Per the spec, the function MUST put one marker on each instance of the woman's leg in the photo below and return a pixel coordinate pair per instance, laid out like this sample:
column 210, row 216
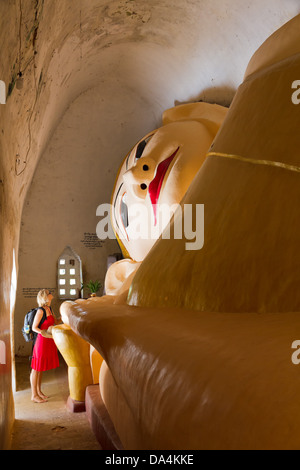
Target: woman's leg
column 39, row 385
column 34, row 378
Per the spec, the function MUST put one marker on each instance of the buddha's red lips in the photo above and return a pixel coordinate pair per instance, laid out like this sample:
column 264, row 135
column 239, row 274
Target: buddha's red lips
column 156, row 183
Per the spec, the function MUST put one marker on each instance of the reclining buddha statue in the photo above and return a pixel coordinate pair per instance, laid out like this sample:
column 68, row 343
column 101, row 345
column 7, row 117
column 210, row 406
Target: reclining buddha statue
column 197, row 344
column 167, row 174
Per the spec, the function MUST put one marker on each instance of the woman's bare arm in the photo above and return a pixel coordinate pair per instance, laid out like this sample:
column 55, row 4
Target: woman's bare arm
column 36, row 321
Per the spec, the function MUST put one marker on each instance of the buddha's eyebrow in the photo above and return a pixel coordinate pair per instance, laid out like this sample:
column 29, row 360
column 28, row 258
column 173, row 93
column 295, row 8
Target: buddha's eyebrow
column 141, row 148
column 118, row 194
column 115, row 204
column 127, row 160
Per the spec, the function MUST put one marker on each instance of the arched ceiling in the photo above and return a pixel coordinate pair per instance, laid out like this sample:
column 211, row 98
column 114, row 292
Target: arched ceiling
column 162, row 52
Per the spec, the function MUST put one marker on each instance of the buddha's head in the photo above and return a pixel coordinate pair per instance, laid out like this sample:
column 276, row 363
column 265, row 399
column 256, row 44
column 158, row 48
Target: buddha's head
column 157, row 172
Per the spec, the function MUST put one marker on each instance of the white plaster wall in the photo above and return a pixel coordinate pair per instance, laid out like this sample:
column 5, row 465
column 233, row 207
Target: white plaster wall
column 74, row 176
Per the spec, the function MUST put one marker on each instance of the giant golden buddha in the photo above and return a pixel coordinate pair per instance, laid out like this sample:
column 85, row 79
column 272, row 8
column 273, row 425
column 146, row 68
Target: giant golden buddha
column 197, row 344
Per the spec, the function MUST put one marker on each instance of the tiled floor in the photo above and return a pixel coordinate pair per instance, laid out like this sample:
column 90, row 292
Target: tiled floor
column 48, row 426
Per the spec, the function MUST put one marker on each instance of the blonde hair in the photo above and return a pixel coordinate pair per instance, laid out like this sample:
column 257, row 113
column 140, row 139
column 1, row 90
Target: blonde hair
column 42, row 298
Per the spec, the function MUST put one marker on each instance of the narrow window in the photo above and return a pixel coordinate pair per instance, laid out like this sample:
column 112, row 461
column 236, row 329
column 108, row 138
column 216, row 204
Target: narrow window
column 69, row 273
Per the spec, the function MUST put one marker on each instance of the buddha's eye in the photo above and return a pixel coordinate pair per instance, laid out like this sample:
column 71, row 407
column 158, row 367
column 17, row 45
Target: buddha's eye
column 141, row 147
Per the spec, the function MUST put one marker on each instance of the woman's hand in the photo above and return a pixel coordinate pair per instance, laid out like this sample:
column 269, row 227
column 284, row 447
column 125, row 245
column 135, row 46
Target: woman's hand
column 46, row 334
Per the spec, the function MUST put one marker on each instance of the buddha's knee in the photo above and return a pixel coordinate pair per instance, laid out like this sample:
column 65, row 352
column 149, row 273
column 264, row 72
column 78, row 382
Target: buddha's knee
column 76, row 353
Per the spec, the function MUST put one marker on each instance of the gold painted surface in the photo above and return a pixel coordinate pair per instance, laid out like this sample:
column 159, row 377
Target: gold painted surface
column 96, row 361
column 196, row 380
column 256, row 162
column 76, row 353
column 250, row 258
column 281, row 44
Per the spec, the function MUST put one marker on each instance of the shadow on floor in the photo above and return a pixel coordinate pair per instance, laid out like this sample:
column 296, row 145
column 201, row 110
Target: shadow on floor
column 48, row 426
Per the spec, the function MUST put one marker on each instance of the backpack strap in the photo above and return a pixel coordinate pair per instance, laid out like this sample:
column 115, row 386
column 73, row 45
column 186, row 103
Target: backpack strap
column 44, row 317
column 35, row 335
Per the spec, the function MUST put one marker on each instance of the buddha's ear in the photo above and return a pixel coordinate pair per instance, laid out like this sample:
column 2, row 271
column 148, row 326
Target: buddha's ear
column 210, row 115
column 119, row 276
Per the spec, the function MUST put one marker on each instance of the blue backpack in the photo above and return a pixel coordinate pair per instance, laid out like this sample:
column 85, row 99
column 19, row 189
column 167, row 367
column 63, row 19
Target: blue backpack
column 27, row 332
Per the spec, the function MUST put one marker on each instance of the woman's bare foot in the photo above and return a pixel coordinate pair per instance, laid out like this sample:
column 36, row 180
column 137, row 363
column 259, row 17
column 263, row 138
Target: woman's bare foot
column 37, row 399
column 44, row 397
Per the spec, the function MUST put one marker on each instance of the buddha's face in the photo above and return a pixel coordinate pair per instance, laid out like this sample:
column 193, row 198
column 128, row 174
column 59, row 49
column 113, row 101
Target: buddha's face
column 156, row 174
